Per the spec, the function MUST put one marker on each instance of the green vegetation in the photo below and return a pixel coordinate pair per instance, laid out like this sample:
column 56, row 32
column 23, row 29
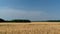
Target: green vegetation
column 53, row 20
column 24, row 20
column 2, row 20
column 20, row 20
column 48, row 21
column 15, row 20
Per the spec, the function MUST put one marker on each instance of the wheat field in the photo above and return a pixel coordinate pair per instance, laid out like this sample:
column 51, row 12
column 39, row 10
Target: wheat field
column 30, row 28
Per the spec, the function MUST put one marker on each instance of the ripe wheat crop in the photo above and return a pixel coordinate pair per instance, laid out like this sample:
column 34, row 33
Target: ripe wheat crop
column 30, row 28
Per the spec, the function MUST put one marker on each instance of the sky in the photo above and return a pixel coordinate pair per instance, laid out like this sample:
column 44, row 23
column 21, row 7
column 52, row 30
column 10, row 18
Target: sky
column 30, row 9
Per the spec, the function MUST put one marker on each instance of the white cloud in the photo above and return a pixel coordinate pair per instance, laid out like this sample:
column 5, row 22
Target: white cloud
column 10, row 13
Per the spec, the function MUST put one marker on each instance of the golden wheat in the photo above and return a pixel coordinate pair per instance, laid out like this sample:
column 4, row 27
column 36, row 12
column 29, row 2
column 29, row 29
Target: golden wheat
column 30, row 28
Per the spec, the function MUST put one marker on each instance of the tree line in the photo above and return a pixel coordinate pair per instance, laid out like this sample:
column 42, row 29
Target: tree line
column 15, row 20
column 47, row 21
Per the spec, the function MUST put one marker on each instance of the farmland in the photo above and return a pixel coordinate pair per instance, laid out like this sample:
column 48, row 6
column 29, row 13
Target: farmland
column 30, row 28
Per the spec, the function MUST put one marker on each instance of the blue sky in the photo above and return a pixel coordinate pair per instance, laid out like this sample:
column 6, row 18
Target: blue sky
column 30, row 9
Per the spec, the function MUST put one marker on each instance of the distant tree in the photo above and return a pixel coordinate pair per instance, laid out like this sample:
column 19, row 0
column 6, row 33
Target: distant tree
column 53, row 20
column 18, row 20
column 2, row 20
column 15, row 20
